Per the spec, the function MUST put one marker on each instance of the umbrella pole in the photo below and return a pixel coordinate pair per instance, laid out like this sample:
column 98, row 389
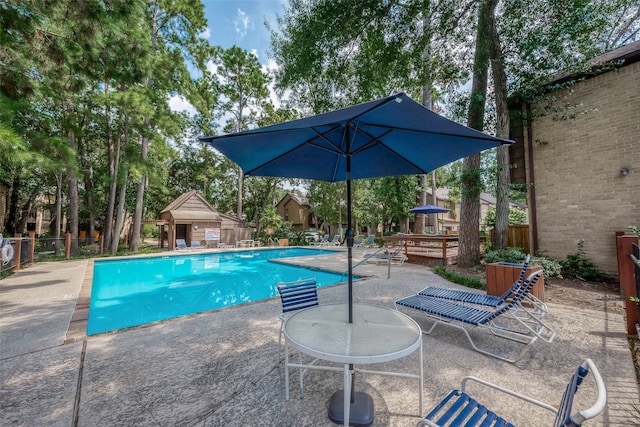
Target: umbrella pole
column 361, row 410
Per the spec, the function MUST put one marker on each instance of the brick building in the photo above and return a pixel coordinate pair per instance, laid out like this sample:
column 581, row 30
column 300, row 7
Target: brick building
column 580, row 156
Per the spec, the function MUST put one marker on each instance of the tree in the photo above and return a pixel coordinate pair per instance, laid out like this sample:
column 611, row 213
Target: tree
column 243, row 86
column 469, row 245
column 501, row 228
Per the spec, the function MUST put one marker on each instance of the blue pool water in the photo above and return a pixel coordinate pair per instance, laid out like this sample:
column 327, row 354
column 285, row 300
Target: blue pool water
column 138, row 291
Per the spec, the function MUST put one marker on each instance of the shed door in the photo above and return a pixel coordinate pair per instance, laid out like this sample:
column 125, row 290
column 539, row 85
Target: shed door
column 181, row 231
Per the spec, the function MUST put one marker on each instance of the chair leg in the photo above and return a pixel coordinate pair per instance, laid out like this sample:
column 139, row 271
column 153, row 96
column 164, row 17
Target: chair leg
column 279, row 346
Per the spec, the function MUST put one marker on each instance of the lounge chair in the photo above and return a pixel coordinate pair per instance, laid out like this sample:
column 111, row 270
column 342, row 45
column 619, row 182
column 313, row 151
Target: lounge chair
column 181, row 245
column 322, row 242
column 195, row 245
column 335, row 241
column 295, row 296
column 369, row 243
column 396, row 257
column 357, row 241
column 459, row 408
column 498, row 322
column 532, row 305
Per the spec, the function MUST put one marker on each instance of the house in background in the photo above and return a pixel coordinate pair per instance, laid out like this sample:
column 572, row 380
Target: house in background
column 449, row 222
column 294, row 208
column 579, row 155
column 488, row 200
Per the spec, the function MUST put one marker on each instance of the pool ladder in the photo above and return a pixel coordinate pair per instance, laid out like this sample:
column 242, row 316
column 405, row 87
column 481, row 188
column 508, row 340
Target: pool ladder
column 383, row 249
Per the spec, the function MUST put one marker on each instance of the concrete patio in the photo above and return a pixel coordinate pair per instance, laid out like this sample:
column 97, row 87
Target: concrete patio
column 219, row 368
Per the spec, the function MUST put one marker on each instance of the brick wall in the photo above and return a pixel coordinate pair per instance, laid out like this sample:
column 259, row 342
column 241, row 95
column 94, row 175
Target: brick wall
column 585, row 136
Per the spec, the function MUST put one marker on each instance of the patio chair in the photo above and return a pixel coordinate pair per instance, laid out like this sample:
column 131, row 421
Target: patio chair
column 459, row 408
column 295, row 296
column 181, row 245
column 369, row 243
column 497, row 322
column 195, row 245
column 357, row 241
column 322, row 242
column 396, row 257
column 529, row 303
column 335, row 241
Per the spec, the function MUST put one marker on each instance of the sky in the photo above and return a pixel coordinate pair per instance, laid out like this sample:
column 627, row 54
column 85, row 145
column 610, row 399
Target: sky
column 239, row 23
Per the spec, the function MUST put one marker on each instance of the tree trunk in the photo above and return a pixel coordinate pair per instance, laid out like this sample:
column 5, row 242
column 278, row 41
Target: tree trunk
column 119, row 214
column 434, row 201
column 72, row 183
column 501, row 229
column 14, row 198
column 58, row 211
column 239, row 198
column 419, row 224
column 137, row 217
column 88, row 185
column 469, row 249
column 108, row 221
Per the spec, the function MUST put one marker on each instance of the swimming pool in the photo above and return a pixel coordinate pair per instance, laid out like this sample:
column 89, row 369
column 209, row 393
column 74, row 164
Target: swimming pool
column 134, row 292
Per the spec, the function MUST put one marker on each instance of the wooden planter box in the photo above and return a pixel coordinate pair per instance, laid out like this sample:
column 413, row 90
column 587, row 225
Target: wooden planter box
column 283, row 242
column 500, row 277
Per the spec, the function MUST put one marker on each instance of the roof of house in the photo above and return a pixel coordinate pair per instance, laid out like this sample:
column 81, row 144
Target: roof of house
column 620, row 57
column 298, row 198
column 491, row 199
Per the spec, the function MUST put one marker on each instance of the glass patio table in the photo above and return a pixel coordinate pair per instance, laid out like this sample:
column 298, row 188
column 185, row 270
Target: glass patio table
column 377, row 334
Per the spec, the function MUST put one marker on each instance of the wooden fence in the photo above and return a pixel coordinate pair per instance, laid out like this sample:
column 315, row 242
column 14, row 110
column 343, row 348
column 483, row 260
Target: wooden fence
column 518, row 236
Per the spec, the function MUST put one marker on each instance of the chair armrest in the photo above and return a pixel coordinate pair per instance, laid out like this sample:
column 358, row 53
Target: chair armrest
column 508, row 391
column 601, row 400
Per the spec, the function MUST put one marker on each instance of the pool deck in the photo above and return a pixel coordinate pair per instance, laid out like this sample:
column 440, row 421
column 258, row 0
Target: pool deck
column 219, row 368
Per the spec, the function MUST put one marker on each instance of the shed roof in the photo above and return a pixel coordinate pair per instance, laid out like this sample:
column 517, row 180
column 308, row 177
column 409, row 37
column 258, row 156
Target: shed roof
column 191, row 206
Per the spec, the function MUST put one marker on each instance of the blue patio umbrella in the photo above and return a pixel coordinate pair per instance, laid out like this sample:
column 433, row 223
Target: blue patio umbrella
column 428, row 209
column 386, row 137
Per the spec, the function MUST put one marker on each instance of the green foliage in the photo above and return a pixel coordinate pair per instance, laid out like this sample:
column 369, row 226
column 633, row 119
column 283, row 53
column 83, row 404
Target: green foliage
column 579, row 266
column 451, row 276
column 635, row 229
column 516, row 216
column 512, row 255
column 550, row 267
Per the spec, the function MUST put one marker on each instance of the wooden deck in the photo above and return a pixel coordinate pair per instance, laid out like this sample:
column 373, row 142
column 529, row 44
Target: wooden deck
column 429, row 250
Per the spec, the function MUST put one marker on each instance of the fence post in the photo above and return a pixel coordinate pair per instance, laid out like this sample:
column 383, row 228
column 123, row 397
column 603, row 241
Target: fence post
column 32, row 237
column 626, row 270
column 16, row 251
column 67, row 245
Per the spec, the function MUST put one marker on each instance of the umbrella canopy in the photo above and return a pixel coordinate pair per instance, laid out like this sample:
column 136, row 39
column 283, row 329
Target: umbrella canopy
column 387, row 137
column 428, row 209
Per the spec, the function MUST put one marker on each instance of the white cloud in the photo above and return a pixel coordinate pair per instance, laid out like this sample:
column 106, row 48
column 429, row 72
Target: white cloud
column 241, row 23
column 212, row 67
column 254, row 52
column 179, row 103
column 205, row 34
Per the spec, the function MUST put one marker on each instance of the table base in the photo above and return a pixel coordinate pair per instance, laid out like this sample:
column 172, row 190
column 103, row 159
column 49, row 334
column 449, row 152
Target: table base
column 361, row 409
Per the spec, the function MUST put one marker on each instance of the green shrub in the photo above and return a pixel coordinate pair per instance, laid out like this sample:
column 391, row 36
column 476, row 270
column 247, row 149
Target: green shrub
column 550, row 267
column 579, row 266
column 514, row 255
column 470, row 282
